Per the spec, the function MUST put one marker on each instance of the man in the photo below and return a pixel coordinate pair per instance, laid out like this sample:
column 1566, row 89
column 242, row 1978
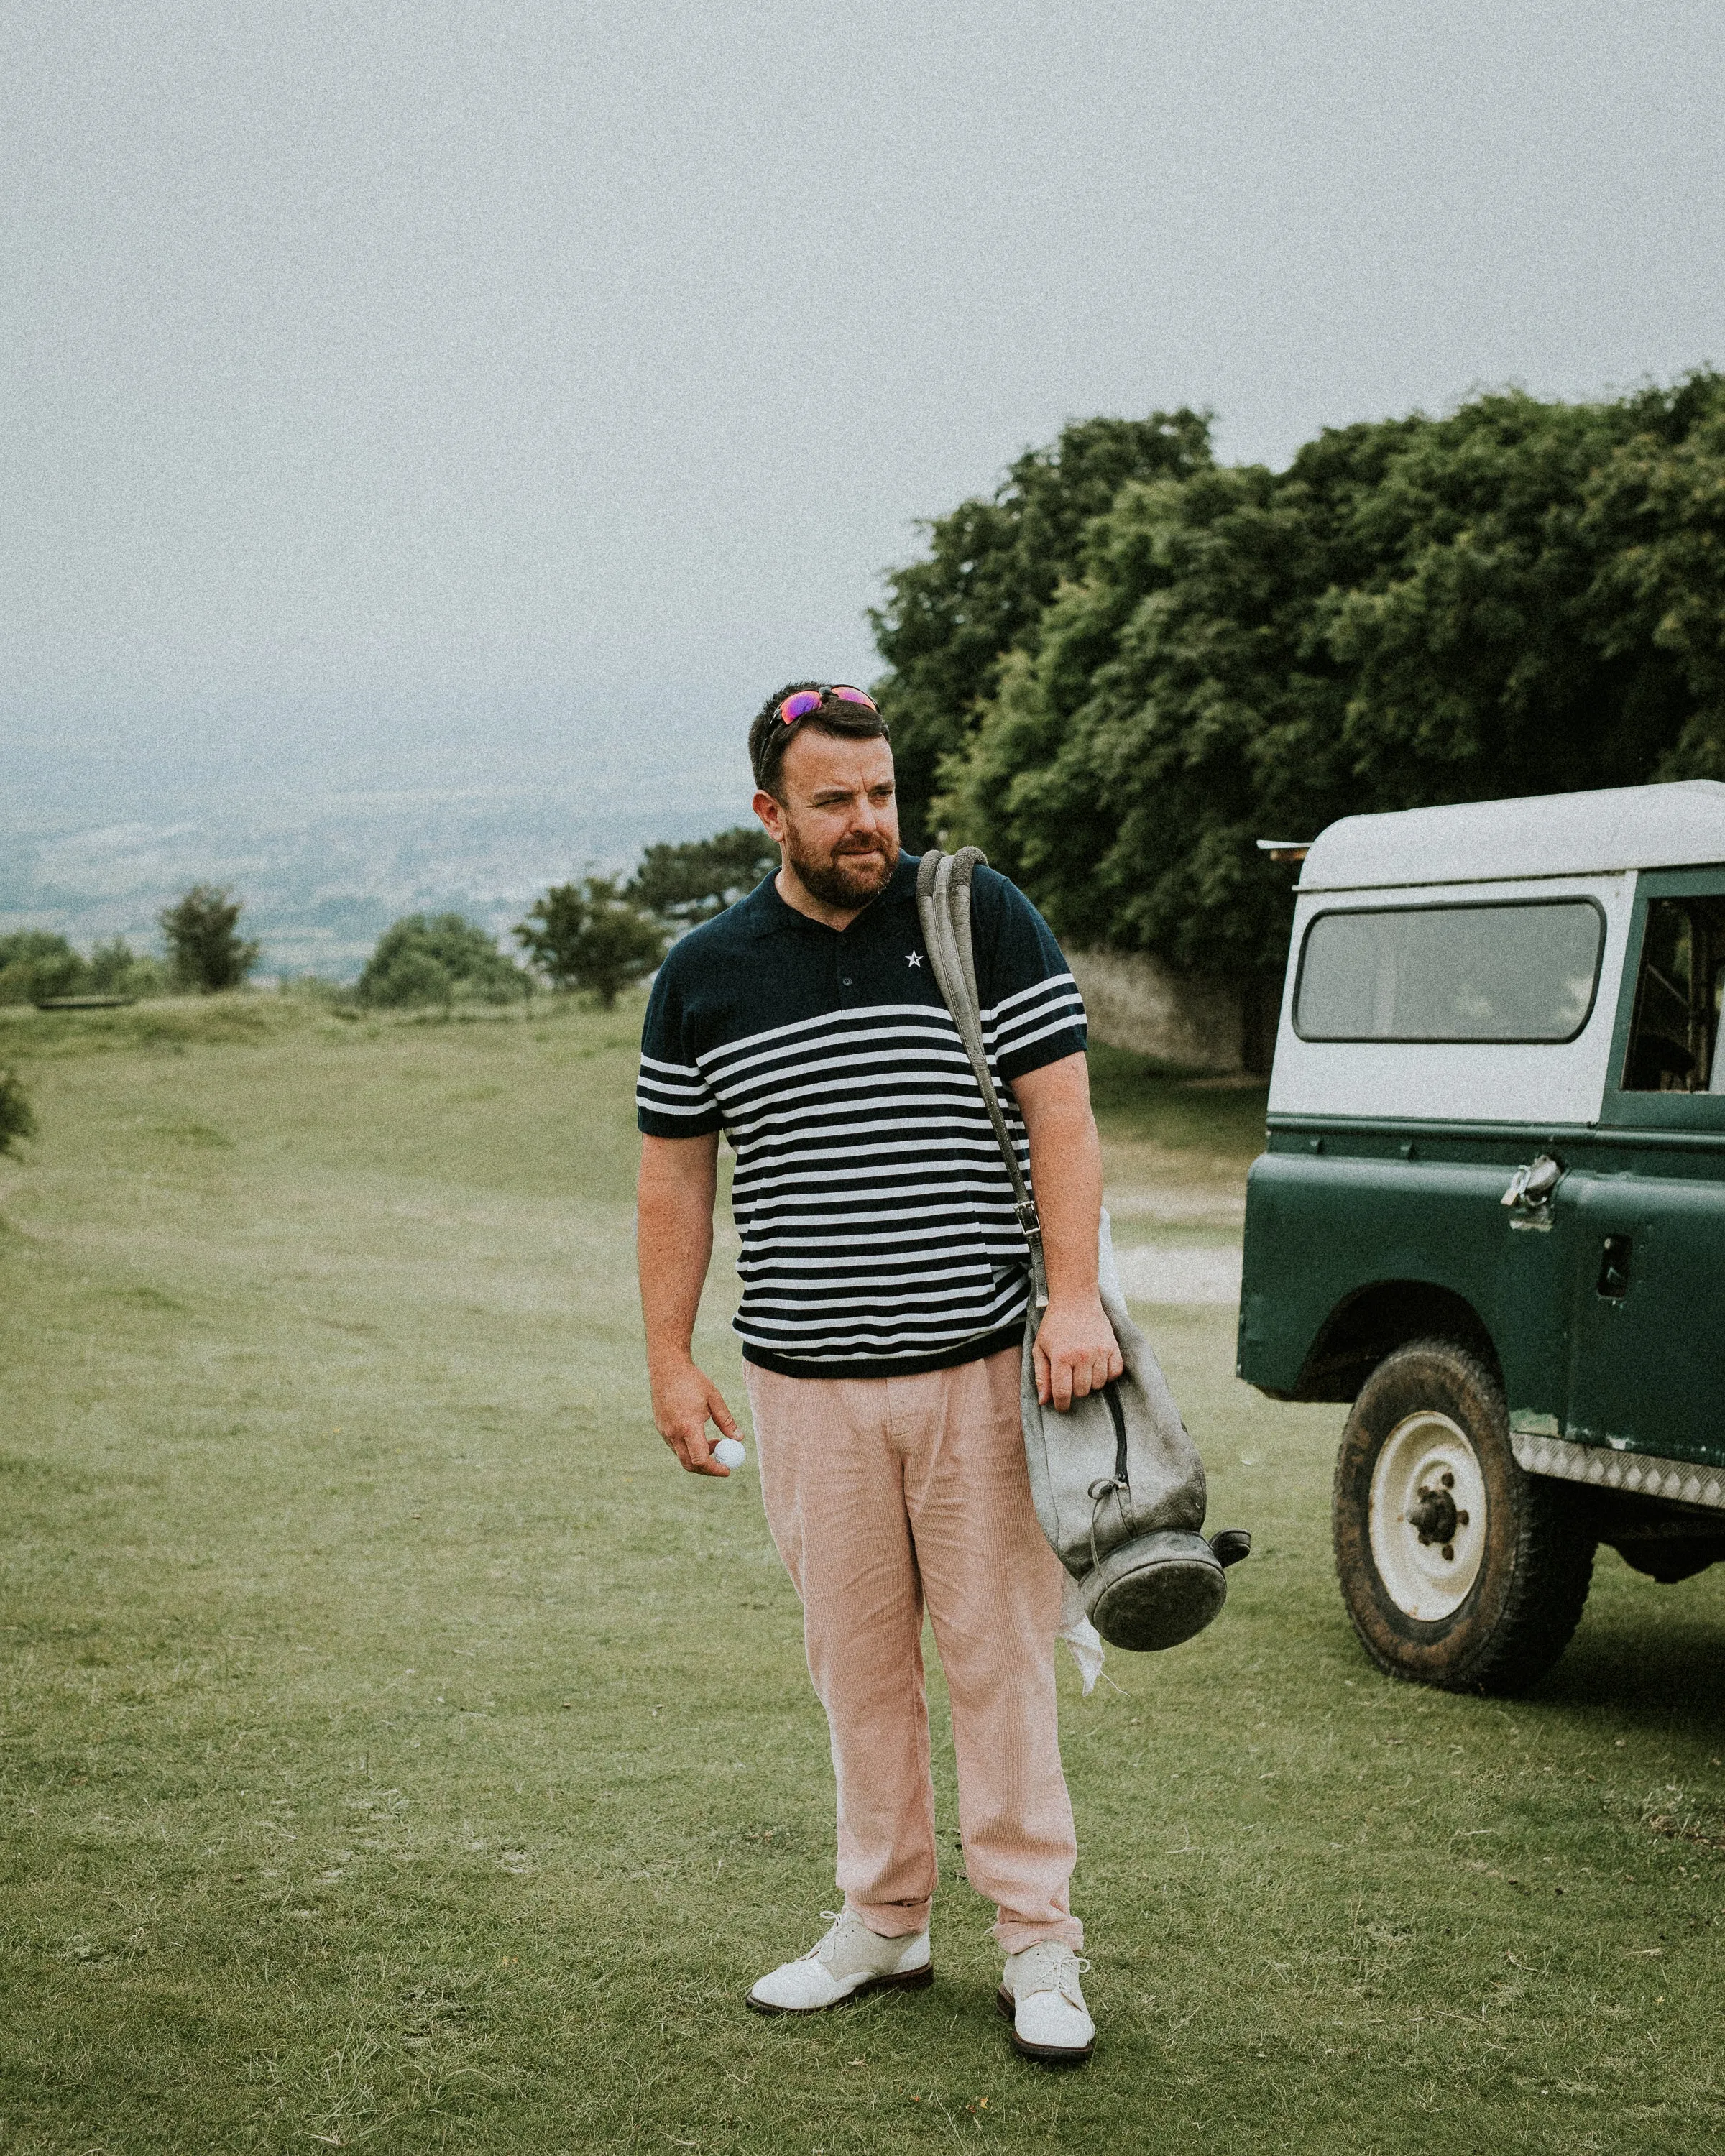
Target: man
column 885, row 1289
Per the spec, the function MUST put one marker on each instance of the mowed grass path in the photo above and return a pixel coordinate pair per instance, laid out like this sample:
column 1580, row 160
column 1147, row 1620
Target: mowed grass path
column 398, row 1752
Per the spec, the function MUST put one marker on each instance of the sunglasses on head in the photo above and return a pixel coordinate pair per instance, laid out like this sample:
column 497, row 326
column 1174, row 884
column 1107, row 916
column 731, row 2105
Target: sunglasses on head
column 805, row 701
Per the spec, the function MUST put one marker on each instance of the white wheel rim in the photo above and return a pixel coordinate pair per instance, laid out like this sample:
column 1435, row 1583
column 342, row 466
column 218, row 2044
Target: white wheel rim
column 1426, row 1466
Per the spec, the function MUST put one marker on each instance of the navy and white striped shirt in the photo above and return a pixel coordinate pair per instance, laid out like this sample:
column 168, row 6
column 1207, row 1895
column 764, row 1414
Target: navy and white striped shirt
column 874, row 1208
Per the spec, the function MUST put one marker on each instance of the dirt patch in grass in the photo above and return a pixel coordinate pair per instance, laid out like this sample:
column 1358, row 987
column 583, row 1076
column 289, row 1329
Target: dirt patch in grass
column 1704, row 1830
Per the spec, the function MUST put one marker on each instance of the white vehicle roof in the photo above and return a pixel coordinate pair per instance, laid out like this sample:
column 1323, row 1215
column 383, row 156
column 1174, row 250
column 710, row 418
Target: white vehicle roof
column 1545, row 834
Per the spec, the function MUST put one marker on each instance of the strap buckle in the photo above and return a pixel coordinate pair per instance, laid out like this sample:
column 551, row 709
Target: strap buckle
column 1031, row 1228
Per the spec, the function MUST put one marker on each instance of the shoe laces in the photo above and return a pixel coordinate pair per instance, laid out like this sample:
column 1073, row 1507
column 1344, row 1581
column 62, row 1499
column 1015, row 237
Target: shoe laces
column 822, row 1950
column 1065, row 1964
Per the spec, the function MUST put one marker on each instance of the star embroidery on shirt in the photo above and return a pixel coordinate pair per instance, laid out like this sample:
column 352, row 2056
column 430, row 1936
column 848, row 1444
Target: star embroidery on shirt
column 913, row 957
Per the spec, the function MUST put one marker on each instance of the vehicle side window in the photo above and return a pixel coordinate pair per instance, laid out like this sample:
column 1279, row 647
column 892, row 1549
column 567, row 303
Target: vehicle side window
column 1673, row 1043
column 1515, row 970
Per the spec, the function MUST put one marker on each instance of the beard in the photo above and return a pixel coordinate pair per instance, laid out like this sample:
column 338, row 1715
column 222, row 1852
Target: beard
column 846, row 878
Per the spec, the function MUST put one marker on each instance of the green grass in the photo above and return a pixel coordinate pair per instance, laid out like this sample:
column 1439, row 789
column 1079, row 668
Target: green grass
column 397, row 1753
column 1175, row 1109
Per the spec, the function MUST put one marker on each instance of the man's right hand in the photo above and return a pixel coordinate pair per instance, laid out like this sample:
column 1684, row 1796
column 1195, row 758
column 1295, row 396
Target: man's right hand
column 674, row 1232
column 684, row 1399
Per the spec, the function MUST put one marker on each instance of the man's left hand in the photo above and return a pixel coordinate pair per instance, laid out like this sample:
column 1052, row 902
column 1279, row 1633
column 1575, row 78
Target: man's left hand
column 1076, row 1352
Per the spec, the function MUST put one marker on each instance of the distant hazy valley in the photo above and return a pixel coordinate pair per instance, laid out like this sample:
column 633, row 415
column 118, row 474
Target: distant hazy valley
column 322, row 874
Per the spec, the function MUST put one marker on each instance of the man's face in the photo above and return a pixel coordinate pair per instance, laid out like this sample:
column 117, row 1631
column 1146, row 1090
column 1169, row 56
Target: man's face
column 836, row 816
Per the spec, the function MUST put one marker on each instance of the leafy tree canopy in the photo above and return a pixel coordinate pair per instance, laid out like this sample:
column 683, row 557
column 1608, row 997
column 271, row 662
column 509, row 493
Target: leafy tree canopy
column 591, row 935
column 116, row 969
column 993, row 566
column 438, row 958
column 689, row 883
column 207, row 950
column 35, row 964
column 1523, row 598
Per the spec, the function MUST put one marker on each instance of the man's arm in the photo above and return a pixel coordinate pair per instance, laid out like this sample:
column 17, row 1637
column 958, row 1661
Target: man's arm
column 1076, row 1352
column 674, row 1244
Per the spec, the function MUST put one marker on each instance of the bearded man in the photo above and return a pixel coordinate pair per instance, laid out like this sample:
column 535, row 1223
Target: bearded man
column 885, row 1291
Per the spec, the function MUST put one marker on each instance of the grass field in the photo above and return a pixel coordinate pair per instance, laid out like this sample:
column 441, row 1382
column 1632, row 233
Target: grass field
column 398, row 1752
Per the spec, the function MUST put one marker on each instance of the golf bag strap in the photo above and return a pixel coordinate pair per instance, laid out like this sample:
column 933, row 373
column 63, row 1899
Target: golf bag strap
column 943, row 906
column 1105, row 1485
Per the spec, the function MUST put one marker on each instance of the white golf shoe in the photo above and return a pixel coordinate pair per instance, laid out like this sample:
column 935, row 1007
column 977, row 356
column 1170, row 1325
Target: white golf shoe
column 1041, row 1992
column 850, row 1960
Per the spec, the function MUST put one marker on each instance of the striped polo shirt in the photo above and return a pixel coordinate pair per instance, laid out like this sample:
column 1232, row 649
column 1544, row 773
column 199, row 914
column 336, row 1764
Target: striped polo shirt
column 875, row 1217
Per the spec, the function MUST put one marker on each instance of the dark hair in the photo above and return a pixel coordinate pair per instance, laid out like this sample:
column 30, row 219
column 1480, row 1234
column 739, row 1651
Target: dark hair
column 769, row 736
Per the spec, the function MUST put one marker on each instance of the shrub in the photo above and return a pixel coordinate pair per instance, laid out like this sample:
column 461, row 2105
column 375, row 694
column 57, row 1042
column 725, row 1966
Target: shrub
column 17, row 1119
column 440, row 959
column 33, row 964
column 116, row 969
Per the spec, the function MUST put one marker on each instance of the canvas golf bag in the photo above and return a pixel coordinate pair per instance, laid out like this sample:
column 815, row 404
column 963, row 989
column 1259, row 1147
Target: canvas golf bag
column 1117, row 1484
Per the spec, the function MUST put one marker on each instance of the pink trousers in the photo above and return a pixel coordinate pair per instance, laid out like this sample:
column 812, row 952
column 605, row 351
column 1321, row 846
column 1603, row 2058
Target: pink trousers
column 886, row 1494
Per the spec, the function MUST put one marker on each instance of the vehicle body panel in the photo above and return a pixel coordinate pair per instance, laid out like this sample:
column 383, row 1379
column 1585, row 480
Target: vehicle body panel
column 1380, row 1193
column 1647, row 1366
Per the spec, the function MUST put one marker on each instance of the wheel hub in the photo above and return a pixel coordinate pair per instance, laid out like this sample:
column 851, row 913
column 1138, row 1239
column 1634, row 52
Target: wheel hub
column 1428, row 1516
column 1434, row 1516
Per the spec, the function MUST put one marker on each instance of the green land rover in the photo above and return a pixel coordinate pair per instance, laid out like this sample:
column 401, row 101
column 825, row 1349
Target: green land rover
column 1491, row 1211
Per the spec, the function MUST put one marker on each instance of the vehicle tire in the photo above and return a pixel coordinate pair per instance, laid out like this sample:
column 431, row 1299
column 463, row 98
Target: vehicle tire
column 1457, row 1568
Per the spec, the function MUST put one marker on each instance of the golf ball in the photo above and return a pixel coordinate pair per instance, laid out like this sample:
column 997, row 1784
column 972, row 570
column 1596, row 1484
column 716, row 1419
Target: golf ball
column 729, row 1452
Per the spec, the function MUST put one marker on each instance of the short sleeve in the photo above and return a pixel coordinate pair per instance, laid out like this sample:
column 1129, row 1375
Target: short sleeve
column 672, row 1099
column 1032, row 1011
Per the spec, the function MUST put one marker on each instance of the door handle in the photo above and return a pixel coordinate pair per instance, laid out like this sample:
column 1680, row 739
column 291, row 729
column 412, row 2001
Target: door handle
column 1532, row 1186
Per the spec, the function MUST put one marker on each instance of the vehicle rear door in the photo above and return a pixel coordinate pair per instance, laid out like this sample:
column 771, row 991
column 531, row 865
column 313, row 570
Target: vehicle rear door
column 1644, row 1216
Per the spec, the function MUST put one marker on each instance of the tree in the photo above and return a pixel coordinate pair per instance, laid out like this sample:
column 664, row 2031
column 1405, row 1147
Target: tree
column 591, row 934
column 1656, row 514
column 1489, row 649
column 1523, row 598
column 438, row 958
column 204, row 946
column 993, row 566
column 692, row 882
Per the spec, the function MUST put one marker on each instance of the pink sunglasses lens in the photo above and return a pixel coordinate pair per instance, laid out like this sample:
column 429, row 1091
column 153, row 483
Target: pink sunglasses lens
column 800, row 706
column 854, row 696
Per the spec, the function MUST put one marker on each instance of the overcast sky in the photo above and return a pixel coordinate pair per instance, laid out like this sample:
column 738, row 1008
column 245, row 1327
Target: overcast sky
column 529, row 386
